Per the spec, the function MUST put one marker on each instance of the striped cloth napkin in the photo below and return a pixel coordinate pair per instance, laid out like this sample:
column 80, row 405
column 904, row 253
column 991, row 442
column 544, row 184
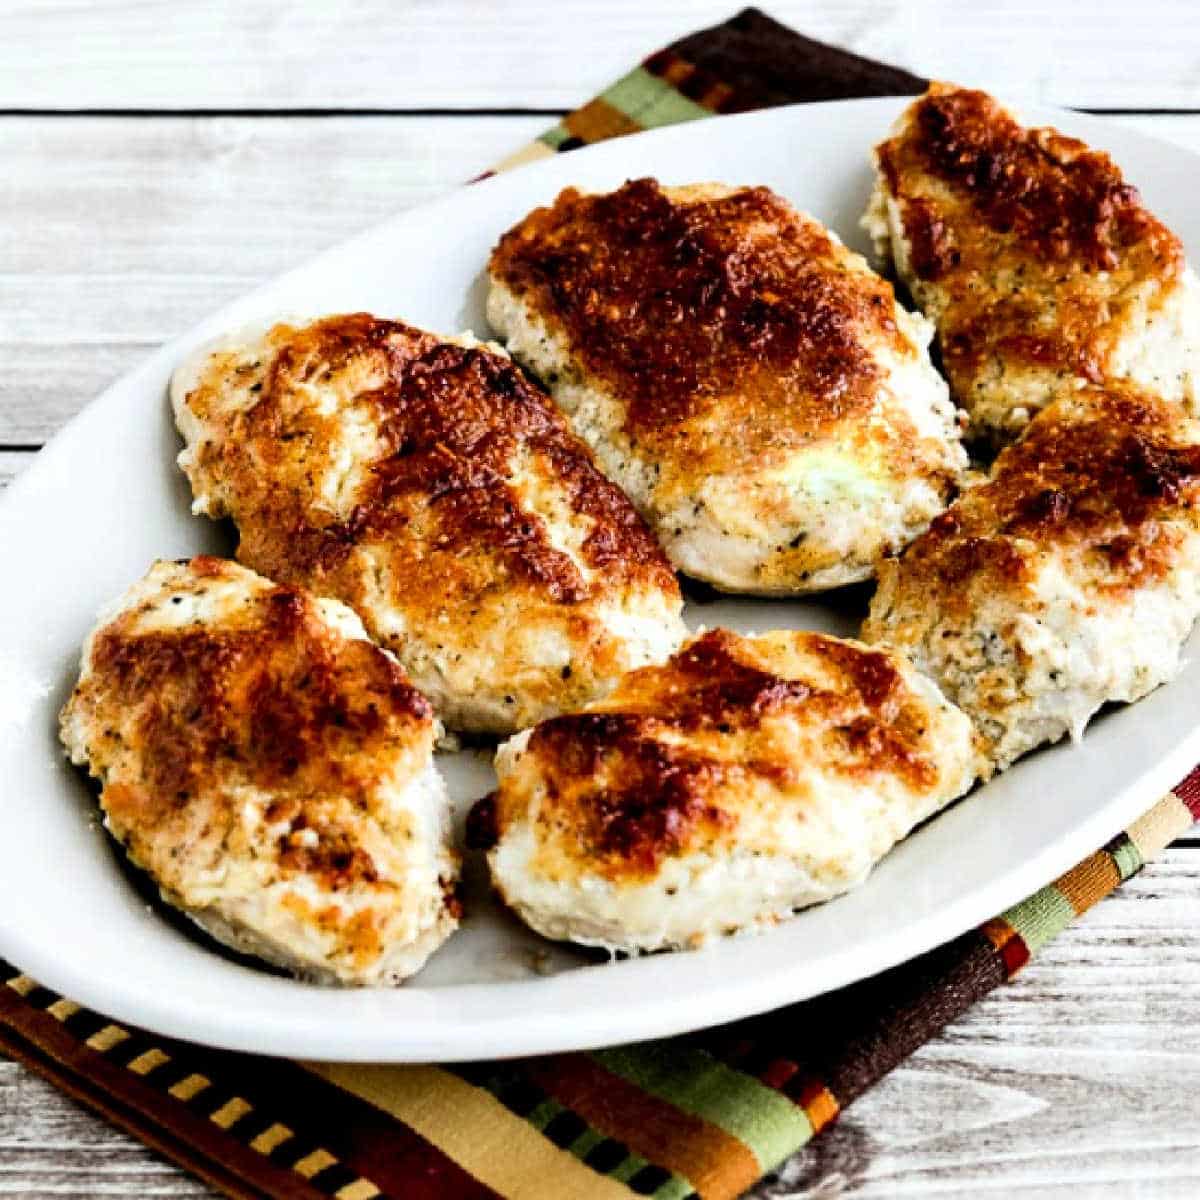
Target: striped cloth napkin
column 704, row 1116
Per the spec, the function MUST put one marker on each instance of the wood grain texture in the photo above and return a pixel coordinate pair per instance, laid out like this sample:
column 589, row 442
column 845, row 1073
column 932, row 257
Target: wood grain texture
column 1079, row 1078
column 471, row 53
column 125, row 232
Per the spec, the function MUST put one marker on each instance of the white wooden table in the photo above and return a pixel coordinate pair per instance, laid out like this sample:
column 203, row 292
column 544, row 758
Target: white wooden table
column 158, row 158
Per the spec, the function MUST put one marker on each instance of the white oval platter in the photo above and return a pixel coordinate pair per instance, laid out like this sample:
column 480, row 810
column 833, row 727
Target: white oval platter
column 105, row 498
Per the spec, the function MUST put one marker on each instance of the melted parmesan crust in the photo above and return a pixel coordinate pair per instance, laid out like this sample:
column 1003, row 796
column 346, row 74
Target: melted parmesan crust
column 270, row 769
column 746, row 379
column 1037, row 262
column 432, row 488
column 743, row 779
column 1070, row 579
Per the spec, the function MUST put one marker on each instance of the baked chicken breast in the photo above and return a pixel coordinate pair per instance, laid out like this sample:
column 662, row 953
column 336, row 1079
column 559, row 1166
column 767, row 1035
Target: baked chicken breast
column 1038, row 263
column 432, row 488
column 270, row 769
column 743, row 779
column 746, row 379
column 1068, row 580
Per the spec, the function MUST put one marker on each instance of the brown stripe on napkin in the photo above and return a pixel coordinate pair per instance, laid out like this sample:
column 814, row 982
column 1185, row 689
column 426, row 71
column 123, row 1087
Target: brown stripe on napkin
column 748, row 62
column 752, row 61
column 44, row 1045
column 866, row 1029
column 249, row 1126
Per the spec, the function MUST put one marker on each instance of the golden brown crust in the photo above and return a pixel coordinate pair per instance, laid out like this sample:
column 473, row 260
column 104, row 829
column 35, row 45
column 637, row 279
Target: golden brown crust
column 450, row 421
column 1100, row 474
column 270, row 769
column 666, row 764
column 687, row 304
column 403, row 474
column 1035, row 243
column 271, row 699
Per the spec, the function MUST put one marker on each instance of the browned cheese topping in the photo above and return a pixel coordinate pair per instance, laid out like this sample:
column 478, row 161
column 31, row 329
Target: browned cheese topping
column 1036, row 242
column 670, row 761
column 737, row 308
column 1102, row 475
column 272, row 700
column 445, row 426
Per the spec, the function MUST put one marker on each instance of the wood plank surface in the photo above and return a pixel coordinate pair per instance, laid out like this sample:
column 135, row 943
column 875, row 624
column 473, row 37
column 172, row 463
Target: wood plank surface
column 125, row 232
column 1078, row 1078
column 159, row 54
column 194, row 212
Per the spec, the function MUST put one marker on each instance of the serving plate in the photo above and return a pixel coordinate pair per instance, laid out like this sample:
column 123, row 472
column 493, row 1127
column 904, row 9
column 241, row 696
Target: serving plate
column 105, row 498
